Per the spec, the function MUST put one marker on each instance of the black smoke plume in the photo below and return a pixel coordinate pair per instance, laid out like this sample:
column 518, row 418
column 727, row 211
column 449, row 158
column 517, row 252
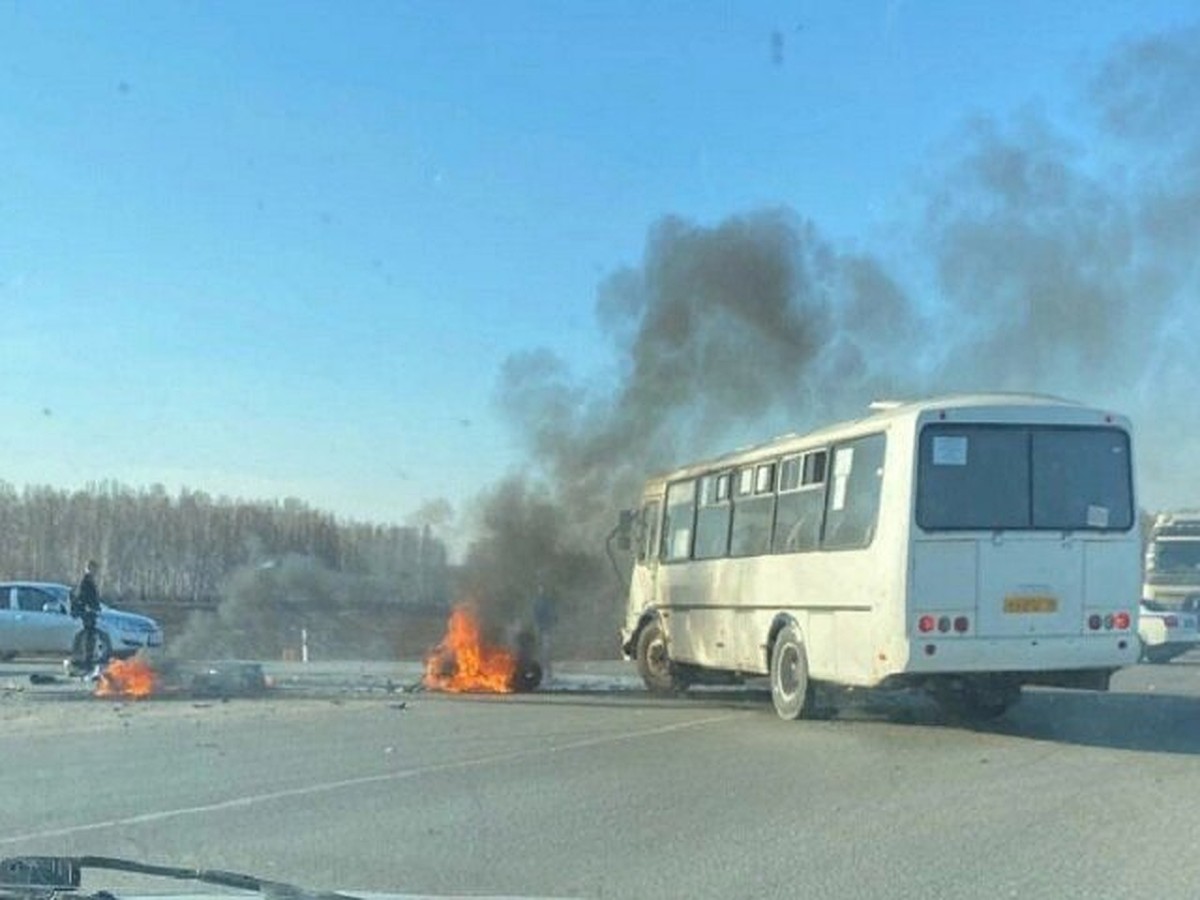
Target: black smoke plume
column 1045, row 265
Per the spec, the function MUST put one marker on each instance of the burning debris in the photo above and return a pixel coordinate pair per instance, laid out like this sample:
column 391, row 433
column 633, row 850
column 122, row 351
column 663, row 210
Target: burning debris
column 130, row 679
column 137, row 678
column 468, row 662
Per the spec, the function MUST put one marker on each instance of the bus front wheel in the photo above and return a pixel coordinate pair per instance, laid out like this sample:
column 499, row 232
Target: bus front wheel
column 654, row 662
column 791, row 690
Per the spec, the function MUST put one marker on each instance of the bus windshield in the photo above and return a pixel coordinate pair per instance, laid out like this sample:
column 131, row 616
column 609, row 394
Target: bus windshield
column 1024, row 477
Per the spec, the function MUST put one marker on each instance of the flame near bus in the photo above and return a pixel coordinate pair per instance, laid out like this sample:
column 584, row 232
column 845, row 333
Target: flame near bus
column 465, row 662
column 132, row 678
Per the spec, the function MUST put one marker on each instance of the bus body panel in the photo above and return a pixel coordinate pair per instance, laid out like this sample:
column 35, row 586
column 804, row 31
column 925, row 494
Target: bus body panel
column 721, row 611
column 1030, row 585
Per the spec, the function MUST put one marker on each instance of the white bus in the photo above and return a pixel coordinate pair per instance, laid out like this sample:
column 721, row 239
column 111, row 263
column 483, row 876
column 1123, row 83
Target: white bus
column 966, row 545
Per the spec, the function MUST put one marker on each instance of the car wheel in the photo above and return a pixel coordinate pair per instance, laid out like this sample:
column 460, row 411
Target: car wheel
column 660, row 675
column 1162, row 654
column 791, row 690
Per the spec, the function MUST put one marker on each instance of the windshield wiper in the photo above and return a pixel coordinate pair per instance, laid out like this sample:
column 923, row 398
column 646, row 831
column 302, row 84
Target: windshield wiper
column 38, row 877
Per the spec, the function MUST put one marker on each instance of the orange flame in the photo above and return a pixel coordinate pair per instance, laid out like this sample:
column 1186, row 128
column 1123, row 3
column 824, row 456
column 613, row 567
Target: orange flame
column 133, row 678
column 464, row 661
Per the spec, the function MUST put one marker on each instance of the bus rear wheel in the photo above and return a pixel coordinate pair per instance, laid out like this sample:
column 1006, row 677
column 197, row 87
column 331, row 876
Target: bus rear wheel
column 660, row 675
column 791, row 690
column 977, row 702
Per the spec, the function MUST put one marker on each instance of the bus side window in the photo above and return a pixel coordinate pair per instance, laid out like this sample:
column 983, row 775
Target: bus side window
column 852, row 505
column 753, row 511
column 649, row 532
column 801, row 503
column 712, row 519
column 677, row 529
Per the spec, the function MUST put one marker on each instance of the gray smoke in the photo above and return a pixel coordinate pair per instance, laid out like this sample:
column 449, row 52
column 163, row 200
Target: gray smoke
column 718, row 329
column 758, row 317
column 264, row 609
column 1052, row 268
column 1076, row 273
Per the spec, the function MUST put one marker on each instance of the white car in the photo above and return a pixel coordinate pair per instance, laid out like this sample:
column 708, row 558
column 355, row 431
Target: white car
column 35, row 620
column 1168, row 631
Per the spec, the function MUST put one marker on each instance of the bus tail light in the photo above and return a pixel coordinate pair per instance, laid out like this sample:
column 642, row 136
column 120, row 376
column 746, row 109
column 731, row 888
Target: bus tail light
column 948, row 623
column 1171, row 621
column 1118, row 621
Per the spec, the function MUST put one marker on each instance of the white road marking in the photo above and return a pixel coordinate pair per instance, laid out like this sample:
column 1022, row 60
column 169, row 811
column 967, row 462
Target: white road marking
column 330, row 786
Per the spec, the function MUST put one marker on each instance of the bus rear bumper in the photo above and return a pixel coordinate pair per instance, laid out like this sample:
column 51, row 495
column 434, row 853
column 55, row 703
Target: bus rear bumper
column 1073, row 662
column 1074, row 679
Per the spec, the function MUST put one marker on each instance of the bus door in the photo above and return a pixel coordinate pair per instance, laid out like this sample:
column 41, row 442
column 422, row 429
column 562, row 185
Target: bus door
column 645, row 570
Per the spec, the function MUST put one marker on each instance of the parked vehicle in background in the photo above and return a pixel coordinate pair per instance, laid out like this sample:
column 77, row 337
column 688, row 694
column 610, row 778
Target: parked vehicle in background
column 1168, row 631
column 1173, row 558
column 1170, row 610
column 966, row 545
column 35, row 620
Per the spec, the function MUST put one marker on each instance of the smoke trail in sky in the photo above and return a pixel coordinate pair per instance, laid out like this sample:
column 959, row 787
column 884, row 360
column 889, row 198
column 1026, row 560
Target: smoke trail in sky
column 1052, row 269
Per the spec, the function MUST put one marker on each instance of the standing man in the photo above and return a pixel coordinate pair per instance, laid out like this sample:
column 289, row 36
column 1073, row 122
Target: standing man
column 88, row 604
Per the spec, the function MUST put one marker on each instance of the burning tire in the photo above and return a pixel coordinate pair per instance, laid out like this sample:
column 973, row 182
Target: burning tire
column 527, row 677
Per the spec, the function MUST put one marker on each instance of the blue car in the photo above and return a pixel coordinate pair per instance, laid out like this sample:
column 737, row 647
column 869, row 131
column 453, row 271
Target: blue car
column 35, row 620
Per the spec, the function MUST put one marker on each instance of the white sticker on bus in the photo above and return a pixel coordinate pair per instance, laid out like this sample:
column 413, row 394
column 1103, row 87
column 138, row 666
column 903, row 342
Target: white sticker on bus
column 950, row 450
column 843, row 462
column 838, row 501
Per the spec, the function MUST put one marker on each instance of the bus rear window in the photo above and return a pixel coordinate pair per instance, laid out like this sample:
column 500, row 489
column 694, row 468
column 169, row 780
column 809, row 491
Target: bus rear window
column 993, row 477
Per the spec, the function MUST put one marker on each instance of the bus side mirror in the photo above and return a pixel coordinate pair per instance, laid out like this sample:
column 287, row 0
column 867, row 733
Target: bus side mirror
column 625, row 523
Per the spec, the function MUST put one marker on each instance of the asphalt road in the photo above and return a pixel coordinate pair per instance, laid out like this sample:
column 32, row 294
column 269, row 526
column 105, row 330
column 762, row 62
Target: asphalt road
column 600, row 791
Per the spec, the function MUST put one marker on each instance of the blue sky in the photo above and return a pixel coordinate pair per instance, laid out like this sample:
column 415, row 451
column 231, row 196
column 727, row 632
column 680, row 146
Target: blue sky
column 282, row 249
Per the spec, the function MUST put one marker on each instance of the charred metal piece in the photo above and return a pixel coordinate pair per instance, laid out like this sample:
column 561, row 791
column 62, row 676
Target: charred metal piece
column 224, row 679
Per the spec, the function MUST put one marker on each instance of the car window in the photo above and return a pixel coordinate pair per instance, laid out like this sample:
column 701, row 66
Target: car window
column 31, row 599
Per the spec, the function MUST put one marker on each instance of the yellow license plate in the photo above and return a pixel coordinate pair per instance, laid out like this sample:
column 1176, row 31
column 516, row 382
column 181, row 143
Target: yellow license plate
column 1030, row 603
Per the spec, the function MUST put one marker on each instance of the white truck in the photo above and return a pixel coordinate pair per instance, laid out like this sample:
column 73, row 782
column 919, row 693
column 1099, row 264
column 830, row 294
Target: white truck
column 1169, row 621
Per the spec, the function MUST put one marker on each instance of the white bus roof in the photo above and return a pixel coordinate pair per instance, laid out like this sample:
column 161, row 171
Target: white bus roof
column 881, row 413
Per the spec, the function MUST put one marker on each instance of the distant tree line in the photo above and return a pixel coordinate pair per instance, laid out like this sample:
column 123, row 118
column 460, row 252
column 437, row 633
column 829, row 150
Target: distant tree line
column 155, row 547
